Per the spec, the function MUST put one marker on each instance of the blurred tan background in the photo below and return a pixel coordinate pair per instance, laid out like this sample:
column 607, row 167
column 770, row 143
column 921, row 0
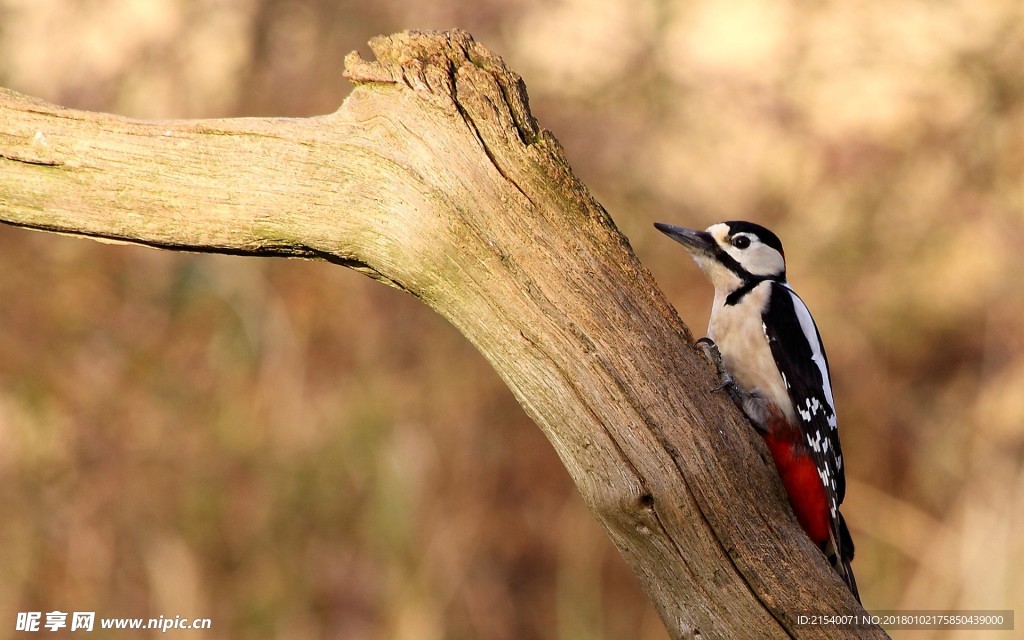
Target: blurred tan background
column 295, row 451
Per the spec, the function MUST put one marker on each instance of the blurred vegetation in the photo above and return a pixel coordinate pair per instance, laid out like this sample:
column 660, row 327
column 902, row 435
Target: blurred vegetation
column 297, row 452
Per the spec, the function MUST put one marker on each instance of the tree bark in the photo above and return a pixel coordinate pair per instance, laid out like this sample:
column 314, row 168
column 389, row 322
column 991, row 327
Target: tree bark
column 434, row 177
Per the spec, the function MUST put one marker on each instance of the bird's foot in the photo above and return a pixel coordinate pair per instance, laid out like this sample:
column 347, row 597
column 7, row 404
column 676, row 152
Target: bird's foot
column 713, row 353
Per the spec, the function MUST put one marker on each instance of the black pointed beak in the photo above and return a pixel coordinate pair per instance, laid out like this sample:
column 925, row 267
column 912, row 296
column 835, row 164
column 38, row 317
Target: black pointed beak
column 694, row 241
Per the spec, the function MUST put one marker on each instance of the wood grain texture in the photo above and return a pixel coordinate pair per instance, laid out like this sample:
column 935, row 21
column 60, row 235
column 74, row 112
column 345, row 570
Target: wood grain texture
column 434, row 177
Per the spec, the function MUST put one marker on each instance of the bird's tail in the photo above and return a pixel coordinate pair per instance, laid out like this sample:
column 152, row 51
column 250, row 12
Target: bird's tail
column 840, row 555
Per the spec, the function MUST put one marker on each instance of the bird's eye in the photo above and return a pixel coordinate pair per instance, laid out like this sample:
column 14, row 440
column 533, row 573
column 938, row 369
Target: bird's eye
column 741, row 242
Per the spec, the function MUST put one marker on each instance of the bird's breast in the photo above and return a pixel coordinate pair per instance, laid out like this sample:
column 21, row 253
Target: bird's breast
column 738, row 330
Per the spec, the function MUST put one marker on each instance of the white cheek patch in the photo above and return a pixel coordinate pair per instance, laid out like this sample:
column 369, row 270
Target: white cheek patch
column 765, row 261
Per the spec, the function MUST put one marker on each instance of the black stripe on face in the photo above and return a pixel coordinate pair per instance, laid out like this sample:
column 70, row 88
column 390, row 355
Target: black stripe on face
column 748, row 285
column 730, row 262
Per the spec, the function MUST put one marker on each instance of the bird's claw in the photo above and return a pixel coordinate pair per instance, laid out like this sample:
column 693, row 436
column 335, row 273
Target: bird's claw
column 705, row 343
column 714, row 354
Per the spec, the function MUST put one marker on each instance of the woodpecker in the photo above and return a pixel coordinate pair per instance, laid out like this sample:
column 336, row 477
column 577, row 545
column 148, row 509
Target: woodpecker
column 771, row 360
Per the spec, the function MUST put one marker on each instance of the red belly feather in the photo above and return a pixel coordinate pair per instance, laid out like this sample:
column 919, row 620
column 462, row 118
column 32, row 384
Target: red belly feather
column 800, row 478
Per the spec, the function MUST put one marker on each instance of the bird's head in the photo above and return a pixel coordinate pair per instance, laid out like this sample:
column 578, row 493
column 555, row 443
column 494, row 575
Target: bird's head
column 732, row 253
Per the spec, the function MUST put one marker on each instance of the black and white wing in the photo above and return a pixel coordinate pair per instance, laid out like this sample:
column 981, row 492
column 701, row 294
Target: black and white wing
column 800, row 357
column 796, row 347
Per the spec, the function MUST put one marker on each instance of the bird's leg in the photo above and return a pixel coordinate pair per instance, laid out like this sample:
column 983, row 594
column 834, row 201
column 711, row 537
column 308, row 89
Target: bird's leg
column 727, row 383
column 758, row 410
